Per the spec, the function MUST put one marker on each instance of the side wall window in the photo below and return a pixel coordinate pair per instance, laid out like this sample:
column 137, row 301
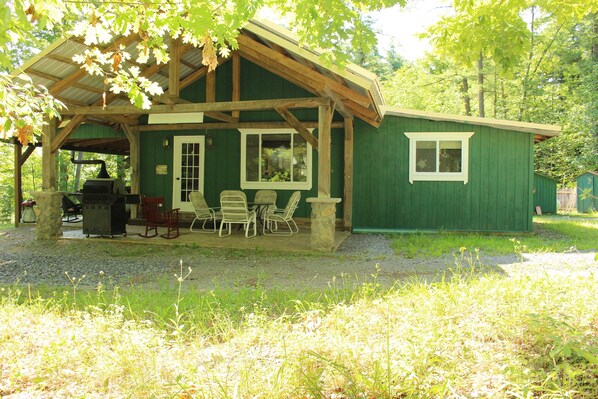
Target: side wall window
column 275, row 159
column 438, row 156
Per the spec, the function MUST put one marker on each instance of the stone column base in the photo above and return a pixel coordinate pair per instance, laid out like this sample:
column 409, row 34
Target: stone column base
column 323, row 221
column 49, row 218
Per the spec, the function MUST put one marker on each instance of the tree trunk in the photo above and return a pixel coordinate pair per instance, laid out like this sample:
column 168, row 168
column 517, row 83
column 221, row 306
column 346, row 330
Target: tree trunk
column 525, row 83
column 465, row 96
column 481, row 86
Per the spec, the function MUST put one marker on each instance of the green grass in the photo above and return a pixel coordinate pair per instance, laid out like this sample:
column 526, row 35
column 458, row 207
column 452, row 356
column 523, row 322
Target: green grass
column 471, row 335
column 551, row 234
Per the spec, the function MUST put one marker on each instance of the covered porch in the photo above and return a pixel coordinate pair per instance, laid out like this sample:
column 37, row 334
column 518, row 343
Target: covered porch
column 269, row 84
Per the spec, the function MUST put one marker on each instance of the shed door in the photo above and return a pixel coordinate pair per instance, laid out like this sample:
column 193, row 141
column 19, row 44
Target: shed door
column 188, row 169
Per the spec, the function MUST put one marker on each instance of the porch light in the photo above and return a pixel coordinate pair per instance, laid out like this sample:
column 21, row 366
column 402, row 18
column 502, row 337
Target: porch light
column 210, row 142
column 165, row 142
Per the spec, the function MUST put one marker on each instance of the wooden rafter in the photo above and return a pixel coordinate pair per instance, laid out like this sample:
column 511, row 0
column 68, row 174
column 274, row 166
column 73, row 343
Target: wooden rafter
column 68, row 81
column 305, row 77
column 298, row 126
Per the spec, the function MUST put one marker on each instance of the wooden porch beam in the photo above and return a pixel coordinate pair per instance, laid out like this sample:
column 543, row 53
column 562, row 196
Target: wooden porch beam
column 18, row 181
column 25, row 155
column 324, row 151
column 348, row 174
column 48, row 156
column 174, row 68
column 221, row 116
column 60, row 139
column 236, row 95
column 304, row 71
column 236, row 125
column 338, row 102
column 298, row 126
column 248, row 105
column 211, row 87
column 134, row 155
column 287, row 72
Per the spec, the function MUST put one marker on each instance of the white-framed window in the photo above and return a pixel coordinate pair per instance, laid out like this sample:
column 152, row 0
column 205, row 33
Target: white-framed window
column 439, row 156
column 275, row 159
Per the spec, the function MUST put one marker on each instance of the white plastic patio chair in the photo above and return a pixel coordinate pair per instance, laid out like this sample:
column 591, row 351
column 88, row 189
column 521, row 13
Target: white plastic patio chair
column 264, row 201
column 233, row 205
column 203, row 212
column 271, row 219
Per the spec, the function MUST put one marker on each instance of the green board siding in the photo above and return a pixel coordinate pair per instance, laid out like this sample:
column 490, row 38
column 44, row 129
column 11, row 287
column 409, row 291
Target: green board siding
column 89, row 131
column 222, row 162
column 545, row 193
column 587, row 182
column 498, row 196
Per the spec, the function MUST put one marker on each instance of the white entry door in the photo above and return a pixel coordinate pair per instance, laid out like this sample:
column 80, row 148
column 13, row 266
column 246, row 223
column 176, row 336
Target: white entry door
column 188, row 169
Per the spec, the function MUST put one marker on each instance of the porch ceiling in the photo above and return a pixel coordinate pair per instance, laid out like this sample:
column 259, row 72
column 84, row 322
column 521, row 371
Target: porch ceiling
column 354, row 90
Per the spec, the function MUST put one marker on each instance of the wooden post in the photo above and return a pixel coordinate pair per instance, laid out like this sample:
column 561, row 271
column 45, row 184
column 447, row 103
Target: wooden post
column 324, row 143
column 48, row 157
column 211, row 87
column 133, row 137
column 174, row 68
column 236, row 96
column 348, row 195
column 18, row 182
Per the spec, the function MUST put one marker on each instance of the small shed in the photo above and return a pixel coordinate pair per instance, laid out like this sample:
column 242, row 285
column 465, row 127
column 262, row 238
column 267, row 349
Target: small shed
column 545, row 193
column 587, row 192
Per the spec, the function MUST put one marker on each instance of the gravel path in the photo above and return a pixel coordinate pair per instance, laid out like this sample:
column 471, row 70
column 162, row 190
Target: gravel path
column 25, row 260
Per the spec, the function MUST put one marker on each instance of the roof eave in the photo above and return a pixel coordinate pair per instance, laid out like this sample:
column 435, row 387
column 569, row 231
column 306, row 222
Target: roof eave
column 546, row 131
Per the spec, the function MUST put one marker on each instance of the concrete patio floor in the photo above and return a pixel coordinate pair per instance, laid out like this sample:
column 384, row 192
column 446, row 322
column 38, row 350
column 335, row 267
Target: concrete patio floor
column 299, row 242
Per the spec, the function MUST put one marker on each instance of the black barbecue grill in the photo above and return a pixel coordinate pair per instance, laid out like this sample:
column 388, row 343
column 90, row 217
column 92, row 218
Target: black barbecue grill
column 104, row 207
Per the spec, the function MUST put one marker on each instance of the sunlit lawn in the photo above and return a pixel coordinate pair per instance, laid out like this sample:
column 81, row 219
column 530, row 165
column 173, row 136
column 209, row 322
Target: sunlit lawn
column 551, row 234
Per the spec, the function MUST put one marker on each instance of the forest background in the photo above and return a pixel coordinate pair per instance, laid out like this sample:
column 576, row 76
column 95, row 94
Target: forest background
column 531, row 61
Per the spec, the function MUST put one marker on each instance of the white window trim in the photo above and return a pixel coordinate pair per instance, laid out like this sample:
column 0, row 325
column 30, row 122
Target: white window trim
column 463, row 176
column 306, row 185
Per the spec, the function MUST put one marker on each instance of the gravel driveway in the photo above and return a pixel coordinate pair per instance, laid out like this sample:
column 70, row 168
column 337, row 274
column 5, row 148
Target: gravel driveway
column 28, row 261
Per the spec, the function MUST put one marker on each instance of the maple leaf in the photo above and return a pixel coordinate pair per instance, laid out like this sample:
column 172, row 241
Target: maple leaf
column 24, row 134
column 117, row 59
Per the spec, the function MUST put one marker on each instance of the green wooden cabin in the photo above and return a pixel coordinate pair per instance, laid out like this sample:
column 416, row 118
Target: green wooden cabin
column 274, row 116
column 545, row 193
column 587, row 192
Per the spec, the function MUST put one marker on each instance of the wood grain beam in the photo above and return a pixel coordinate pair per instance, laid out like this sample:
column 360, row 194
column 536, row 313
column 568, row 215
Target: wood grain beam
column 211, row 87
column 236, row 94
column 48, row 156
column 224, row 106
column 174, row 68
column 25, row 155
column 348, row 175
column 221, row 116
column 134, row 154
column 61, row 138
column 235, row 125
column 298, row 126
column 324, row 151
column 18, row 181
